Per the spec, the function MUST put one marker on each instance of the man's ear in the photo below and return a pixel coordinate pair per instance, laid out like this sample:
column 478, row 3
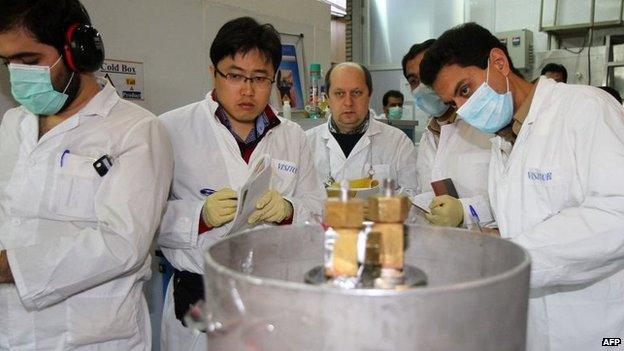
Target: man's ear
column 499, row 61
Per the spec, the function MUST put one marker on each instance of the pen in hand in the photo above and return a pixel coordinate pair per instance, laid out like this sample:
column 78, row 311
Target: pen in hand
column 475, row 217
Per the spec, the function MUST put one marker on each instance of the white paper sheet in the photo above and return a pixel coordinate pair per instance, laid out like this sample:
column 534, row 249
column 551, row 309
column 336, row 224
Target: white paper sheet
column 422, row 201
column 255, row 186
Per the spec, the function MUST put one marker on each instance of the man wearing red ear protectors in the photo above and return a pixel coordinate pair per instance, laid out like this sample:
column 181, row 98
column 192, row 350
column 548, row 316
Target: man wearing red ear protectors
column 84, row 179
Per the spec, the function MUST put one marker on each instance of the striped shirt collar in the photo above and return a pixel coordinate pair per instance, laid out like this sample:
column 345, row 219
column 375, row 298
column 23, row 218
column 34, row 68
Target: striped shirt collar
column 265, row 121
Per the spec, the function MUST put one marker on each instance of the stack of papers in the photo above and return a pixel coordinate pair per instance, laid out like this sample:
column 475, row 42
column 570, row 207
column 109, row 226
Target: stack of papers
column 257, row 183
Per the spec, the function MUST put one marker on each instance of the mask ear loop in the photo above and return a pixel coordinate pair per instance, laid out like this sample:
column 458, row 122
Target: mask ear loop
column 57, row 61
column 487, row 76
column 69, row 82
column 507, row 80
column 70, row 78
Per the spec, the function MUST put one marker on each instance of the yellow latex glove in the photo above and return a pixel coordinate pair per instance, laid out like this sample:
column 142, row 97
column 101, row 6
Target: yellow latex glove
column 271, row 207
column 220, row 207
column 446, row 211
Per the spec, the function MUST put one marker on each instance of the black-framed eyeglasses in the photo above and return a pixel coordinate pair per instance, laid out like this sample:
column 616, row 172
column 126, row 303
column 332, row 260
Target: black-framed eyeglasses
column 258, row 82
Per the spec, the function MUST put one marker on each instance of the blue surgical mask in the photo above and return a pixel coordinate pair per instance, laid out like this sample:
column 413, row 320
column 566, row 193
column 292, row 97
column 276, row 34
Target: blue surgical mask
column 487, row 110
column 395, row 112
column 428, row 101
column 31, row 86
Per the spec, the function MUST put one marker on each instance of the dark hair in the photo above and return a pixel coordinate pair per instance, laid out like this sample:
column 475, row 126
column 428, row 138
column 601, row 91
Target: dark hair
column 613, row 93
column 554, row 67
column 468, row 44
column 243, row 34
column 367, row 76
column 389, row 94
column 413, row 52
column 46, row 20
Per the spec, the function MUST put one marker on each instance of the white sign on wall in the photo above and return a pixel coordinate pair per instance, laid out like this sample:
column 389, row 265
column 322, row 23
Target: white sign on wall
column 125, row 76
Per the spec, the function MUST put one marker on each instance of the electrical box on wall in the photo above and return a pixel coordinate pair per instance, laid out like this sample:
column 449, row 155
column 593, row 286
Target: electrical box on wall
column 520, row 47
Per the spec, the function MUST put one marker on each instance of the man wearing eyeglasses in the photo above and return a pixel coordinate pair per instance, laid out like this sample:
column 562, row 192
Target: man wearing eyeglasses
column 215, row 143
column 353, row 146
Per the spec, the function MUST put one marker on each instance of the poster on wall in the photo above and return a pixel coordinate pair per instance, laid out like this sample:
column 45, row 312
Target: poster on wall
column 125, row 76
column 288, row 81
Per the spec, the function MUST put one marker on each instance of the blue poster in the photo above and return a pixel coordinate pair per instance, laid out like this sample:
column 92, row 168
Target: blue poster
column 288, row 81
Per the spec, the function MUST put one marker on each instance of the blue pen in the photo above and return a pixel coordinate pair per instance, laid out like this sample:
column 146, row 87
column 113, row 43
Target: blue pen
column 206, row 192
column 63, row 156
column 475, row 217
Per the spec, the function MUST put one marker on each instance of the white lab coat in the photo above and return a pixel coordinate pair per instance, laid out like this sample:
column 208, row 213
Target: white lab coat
column 462, row 154
column 560, row 195
column 392, row 154
column 207, row 156
column 77, row 243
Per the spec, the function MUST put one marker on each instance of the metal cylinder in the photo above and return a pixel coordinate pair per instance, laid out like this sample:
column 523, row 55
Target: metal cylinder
column 476, row 297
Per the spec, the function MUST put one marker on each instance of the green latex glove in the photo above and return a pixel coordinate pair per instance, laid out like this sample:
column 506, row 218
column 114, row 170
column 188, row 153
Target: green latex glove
column 271, row 207
column 220, row 207
column 446, row 211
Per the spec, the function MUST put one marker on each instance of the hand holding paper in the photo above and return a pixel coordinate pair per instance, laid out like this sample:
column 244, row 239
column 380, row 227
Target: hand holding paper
column 271, row 207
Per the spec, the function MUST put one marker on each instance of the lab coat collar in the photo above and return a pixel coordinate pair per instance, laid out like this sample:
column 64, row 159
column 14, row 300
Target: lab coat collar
column 543, row 89
column 325, row 133
column 523, row 111
column 435, row 123
column 99, row 106
column 211, row 105
column 374, row 127
column 103, row 102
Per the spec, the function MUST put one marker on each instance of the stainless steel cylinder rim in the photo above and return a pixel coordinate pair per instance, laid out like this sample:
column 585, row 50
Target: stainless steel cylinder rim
column 426, row 290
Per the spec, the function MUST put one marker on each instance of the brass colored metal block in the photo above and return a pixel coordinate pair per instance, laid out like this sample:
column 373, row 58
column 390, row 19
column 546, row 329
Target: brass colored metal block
column 339, row 214
column 392, row 244
column 384, row 209
column 344, row 261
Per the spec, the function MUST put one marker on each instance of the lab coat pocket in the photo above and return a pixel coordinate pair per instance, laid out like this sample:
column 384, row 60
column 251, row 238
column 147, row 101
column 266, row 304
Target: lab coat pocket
column 97, row 319
column 284, row 176
column 74, row 186
column 548, row 188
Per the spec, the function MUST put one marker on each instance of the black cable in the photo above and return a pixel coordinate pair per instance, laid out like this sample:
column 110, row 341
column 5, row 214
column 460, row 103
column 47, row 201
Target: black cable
column 582, row 45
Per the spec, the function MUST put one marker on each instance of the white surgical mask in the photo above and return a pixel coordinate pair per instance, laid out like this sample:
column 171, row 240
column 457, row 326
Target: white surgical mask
column 31, row 86
column 428, row 101
column 487, row 110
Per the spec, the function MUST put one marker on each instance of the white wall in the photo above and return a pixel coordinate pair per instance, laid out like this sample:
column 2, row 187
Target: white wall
column 505, row 15
column 172, row 38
